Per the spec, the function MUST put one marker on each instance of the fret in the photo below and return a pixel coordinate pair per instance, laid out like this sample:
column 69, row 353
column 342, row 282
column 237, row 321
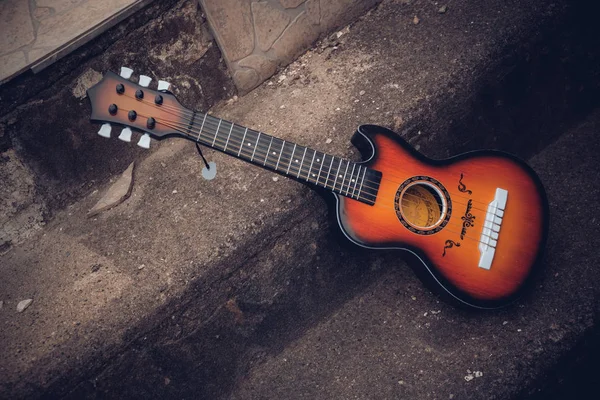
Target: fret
column 361, row 184
column 191, row 124
column 268, row 150
column 200, row 132
column 352, row 180
column 280, row 154
column 242, row 143
column 356, row 181
column 344, row 180
column 337, row 174
column 250, row 141
column 322, row 161
column 228, row 136
column 311, row 164
column 329, row 172
column 255, row 146
column 302, row 162
column 217, row 132
column 291, row 159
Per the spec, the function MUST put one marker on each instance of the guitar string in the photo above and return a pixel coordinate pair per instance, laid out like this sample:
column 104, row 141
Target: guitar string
column 459, row 225
column 287, row 157
column 182, row 110
column 296, row 170
column 334, row 187
column 284, row 153
column 388, row 208
column 172, row 125
column 241, row 128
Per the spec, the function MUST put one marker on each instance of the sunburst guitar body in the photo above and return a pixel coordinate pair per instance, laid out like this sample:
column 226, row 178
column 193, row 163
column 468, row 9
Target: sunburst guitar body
column 477, row 222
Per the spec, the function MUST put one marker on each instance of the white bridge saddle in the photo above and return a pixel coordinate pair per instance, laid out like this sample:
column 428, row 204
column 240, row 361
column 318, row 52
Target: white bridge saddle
column 491, row 229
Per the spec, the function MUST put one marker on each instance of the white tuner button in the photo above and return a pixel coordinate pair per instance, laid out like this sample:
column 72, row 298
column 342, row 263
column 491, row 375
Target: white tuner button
column 125, row 135
column 163, row 86
column 105, row 131
column 144, row 141
column 126, row 72
column 145, row 80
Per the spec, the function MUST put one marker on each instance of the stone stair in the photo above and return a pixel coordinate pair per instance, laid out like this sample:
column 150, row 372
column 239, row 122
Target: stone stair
column 240, row 288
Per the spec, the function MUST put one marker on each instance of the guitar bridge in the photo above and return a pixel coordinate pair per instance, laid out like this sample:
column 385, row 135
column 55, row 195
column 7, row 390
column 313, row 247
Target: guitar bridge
column 491, row 229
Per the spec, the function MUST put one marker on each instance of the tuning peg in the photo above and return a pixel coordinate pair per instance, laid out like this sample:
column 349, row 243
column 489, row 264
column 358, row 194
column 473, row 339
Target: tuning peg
column 164, row 86
column 144, row 141
column 145, row 80
column 125, row 135
column 105, row 131
column 126, row 72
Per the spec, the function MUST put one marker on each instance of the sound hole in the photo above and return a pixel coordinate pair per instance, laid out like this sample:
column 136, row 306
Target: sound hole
column 422, row 205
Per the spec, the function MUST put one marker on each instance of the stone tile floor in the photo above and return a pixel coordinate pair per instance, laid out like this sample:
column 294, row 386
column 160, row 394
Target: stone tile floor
column 35, row 33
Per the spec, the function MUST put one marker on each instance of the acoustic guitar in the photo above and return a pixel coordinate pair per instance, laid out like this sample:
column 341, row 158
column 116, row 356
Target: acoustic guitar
column 477, row 222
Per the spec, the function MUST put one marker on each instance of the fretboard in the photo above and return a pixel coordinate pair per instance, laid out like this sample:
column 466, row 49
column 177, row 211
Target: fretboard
column 341, row 176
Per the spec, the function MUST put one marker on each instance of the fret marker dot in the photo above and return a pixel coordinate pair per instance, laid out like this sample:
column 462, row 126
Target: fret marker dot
column 339, row 176
column 296, row 160
column 352, row 180
column 249, row 144
column 274, row 153
column 318, row 160
column 314, row 175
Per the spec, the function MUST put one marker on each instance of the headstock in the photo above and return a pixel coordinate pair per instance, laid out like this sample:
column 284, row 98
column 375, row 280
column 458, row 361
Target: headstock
column 157, row 113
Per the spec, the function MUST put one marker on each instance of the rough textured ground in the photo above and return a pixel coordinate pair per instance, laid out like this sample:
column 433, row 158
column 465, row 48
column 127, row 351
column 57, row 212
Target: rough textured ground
column 239, row 287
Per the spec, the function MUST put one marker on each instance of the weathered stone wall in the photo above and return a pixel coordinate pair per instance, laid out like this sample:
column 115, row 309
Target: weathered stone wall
column 50, row 154
column 256, row 37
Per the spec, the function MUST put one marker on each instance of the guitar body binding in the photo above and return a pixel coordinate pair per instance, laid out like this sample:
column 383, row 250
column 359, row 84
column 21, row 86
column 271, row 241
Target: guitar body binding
column 450, row 254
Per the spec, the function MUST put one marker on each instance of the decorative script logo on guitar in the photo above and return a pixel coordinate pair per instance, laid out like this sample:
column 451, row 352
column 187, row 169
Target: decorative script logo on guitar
column 468, row 219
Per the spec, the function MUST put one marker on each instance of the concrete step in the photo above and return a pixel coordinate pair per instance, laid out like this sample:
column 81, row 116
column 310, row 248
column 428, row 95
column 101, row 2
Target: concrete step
column 392, row 339
column 192, row 289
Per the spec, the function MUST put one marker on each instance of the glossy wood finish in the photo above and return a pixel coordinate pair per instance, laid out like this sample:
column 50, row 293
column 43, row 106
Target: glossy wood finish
column 169, row 115
column 522, row 234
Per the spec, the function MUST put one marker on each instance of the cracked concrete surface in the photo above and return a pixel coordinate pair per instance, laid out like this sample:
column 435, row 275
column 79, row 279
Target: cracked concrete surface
column 36, row 30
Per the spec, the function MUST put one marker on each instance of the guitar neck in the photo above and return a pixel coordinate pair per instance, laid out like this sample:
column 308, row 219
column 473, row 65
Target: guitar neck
column 336, row 174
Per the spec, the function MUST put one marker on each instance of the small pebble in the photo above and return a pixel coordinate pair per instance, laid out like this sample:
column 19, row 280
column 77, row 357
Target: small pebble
column 361, row 92
column 469, row 377
column 23, row 304
column 174, row 192
column 328, row 141
column 443, row 9
column 282, row 106
column 141, row 266
column 478, row 374
column 275, row 179
column 416, row 20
